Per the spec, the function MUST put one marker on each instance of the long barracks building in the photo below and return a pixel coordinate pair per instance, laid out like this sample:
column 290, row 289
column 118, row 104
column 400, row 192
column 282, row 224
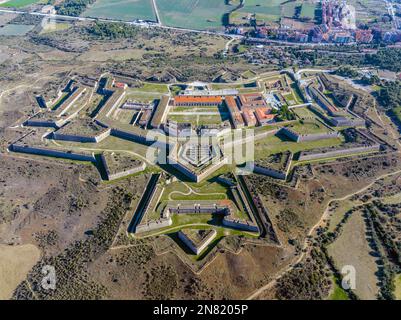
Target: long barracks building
column 189, row 101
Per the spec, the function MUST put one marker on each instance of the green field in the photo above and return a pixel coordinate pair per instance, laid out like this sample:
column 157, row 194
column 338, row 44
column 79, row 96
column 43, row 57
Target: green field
column 197, row 14
column 197, row 120
column 18, row 3
column 53, row 27
column 151, row 87
column 264, row 10
column 126, row 10
column 303, row 112
column 289, row 9
column 309, row 127
column 15, row 30
column 274, row 144
column 397, row 292
column 338, row 292
column 396, row 112
column 308, row 11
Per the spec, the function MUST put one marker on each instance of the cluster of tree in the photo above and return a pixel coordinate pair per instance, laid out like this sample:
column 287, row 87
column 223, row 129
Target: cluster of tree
column 73, row 7
column 113, row 30
column 285, row 114
column 347, row 71
column 389, row 95
column 388, row 250
column 309, row 280
column 386, row 58
column 374, row 79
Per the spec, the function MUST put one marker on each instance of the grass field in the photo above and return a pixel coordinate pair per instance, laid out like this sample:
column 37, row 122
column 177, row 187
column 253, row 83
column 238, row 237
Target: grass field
column 126, row 10
column 264, row 10
column 199, row 119
column 15, row 30
column 397, row 113
column 18, row 3
column 197, row 14
column 309, row 127
column 152, row 88
column 338, row 293
column 352, row 248
column 308, row 11
column 274, row 144
column 397, row 292
column 288, row 9
column 53, row 27
column 304, row 113
column 15, row 263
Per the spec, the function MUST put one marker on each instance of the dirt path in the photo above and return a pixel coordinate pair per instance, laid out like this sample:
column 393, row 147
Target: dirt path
column 307, row 243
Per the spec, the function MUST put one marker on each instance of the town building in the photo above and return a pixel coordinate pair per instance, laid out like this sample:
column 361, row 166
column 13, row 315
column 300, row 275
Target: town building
column 264, row 116
column 252, row 100
column 234, row 111
column 249, row 117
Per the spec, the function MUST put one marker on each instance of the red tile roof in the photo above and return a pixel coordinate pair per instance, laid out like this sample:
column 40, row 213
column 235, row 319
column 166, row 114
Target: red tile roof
column 198, row 99
column 264, row 113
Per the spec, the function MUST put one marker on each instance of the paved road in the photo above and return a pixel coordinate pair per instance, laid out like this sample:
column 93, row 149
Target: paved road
column 159, row 25
column 156, row 9
column 150, row 25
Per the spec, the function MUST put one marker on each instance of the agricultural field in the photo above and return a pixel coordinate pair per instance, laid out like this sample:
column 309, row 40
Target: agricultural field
column 122, row 10
column 368, row 10
column 205, row 14
column 308, row 11
column 264, row 10
column 288, row 9
column 15, row 30
column 18, row 3
column 272, row 12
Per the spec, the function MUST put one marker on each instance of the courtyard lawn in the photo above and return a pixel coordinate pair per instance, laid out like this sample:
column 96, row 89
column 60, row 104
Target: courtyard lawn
column 196, row 14
column 198, row 119
column 126, row 10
